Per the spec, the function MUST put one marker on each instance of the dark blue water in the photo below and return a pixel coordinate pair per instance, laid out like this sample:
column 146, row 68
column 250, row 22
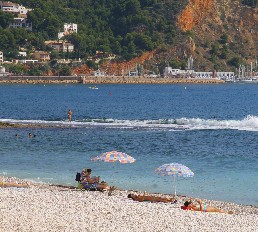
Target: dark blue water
column 212, row 129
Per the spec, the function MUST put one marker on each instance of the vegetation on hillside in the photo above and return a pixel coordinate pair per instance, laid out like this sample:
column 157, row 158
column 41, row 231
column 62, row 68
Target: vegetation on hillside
column 252, row 3
column 126, row 28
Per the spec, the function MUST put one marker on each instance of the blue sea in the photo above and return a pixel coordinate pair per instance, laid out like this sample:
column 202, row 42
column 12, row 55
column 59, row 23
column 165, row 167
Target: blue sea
column 212, row 129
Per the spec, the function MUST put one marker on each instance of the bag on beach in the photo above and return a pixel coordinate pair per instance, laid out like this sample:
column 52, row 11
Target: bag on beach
column 78, row 177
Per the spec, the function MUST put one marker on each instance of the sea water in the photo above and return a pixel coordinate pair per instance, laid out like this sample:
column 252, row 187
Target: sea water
column 212, row 129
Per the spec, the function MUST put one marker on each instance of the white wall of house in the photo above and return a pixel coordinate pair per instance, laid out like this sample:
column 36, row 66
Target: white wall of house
column 23, row 54
column 13, row 8
column 21, row 23
column 1, row 57
column 60, row 46
column 60, row 35
column 70, row 27
column 26, row 61
column 198, row 75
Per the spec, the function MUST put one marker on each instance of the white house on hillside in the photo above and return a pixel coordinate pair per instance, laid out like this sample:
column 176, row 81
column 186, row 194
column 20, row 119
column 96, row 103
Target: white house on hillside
column 41, row 56
column 69, row 28
column 1, row 57
column 60, row 46
column 14, row 8
column 21, row 23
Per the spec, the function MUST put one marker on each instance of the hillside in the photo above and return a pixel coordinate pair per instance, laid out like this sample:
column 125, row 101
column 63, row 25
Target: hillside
column 224, row 34
column 143, row 34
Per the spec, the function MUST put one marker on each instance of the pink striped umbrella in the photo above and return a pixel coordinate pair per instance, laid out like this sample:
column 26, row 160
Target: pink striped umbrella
column 113, row 156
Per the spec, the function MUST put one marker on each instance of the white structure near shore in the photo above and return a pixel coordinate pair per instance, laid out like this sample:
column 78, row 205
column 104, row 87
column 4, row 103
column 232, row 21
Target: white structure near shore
column 3, row 72
column 170, row 72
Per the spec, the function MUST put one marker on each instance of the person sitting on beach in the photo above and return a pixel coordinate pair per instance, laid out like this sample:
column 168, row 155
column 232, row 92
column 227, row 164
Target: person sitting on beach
column 92, row 183
column 188, row 205
column 151, row 198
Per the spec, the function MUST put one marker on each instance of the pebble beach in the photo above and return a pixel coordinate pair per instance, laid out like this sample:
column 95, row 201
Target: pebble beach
column 59, row 208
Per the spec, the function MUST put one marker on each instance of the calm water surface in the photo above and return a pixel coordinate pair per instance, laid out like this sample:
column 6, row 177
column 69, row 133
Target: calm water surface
column 212, row 129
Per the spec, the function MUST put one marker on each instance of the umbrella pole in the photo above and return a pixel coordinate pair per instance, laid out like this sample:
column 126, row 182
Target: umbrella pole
column 175, row 184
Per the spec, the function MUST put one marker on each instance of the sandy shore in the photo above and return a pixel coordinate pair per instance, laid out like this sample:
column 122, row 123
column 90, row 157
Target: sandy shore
column 52, row 208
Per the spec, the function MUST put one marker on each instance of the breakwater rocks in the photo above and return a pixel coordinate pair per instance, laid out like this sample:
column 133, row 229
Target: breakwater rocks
column 103, row 80
column 147, row 80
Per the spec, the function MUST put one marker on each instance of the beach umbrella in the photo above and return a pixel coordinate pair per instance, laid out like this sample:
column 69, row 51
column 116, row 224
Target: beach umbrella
column 174, row 169
column 113, row 156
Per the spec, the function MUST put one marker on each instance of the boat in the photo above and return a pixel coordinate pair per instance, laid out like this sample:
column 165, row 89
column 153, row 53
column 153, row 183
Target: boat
column 248, row 80
column 93, row 87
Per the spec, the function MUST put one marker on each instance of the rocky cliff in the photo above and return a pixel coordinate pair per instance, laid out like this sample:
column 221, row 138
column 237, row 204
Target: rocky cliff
column 218, row 34
column 222, row 31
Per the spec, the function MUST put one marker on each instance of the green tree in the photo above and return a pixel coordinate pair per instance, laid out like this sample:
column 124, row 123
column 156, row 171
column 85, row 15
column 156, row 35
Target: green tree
column 132, row 7
column 215, row 49
column 5, row 19
column 65, row 70
column 235, row 61
column 224, row 39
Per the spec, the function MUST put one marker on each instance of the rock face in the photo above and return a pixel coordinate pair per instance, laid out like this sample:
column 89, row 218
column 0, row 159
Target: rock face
column 122, row 68
column 208, row 21
column 204, row 23
column 194, row 13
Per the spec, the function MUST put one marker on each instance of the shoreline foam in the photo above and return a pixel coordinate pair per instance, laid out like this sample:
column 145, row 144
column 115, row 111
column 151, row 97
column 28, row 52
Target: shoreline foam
column 55, row 208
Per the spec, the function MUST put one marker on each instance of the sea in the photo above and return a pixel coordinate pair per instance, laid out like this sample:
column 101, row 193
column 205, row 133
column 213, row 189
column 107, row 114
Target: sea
column 210, row 128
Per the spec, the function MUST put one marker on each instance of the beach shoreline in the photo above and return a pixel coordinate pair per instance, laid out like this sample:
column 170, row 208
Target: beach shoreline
column 42, row 207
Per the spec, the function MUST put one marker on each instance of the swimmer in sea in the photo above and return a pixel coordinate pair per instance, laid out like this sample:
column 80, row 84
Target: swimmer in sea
column 69, row 114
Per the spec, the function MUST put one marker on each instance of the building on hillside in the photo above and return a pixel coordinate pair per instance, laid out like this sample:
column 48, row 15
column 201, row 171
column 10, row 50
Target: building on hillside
column 104, row 55
column 22, row 54
column 60, row 46
column 24, row 61
column 3, row 72
column 14, row 8
column 41, row 56
column 1, row 57
column 21, row 23
column 99, row 73
column 69, row 28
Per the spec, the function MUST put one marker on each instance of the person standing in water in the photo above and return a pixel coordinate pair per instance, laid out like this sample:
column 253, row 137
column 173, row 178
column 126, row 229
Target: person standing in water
column 69, row 114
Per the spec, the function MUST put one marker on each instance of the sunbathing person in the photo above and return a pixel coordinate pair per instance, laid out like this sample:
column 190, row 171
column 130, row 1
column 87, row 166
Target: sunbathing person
column 92, row 183
column 12, row 184
column 151, row 198
column 188, row 205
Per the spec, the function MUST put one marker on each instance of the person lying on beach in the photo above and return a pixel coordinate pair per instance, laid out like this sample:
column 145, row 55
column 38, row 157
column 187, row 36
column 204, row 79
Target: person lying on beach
column 188, row 205
column 11, row 184
column 92, row 183
column 151, row 198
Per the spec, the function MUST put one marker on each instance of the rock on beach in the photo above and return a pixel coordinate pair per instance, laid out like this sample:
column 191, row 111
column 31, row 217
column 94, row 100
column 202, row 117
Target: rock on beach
column 53, row 208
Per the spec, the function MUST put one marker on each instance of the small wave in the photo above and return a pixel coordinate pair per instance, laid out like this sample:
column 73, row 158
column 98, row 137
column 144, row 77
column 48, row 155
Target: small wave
column 249, row 123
